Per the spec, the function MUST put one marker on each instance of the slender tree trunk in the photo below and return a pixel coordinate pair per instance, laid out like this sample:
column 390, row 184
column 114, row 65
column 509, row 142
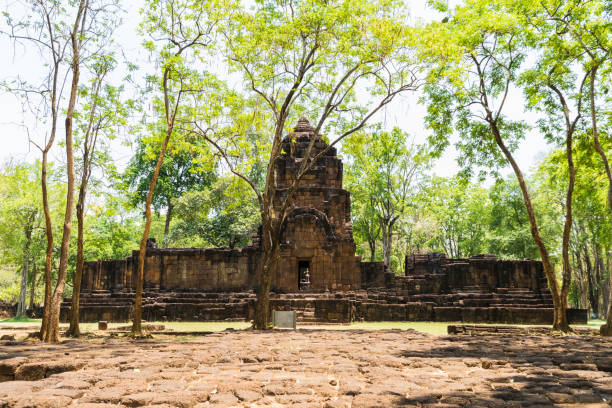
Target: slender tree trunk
column 44, row 328
column 21, row 305
column 33, row 287
column 167, row 226
column 372, row 245
column 599, row 273
column 74, row 329
column 387, row 238
column 137, row 322
column 558, row 303
column 606, row 329
column 592, row 289
column 386, row 227
column 579, row 279
column 52, row 334
column 89, row 146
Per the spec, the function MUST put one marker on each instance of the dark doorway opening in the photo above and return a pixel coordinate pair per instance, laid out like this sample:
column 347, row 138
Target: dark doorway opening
column 303, row 275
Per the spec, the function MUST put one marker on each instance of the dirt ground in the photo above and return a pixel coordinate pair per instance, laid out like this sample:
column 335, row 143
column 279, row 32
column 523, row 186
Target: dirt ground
column 310, row 368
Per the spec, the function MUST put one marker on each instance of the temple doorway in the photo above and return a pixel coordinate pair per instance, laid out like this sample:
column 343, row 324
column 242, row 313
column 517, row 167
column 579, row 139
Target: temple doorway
column 303, row 275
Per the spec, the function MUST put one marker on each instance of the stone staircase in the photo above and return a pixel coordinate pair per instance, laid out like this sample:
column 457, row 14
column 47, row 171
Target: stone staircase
column 468, row 304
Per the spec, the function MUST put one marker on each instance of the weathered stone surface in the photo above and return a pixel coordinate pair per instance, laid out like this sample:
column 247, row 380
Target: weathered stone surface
column 323, row 368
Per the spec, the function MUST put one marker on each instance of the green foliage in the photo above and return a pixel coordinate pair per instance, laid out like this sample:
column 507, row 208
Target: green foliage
column 383, row 174
column 223, row 215
column 181, row 171
column 112, row 231
column 9, row 286
column 509, row 237
column 21, row 210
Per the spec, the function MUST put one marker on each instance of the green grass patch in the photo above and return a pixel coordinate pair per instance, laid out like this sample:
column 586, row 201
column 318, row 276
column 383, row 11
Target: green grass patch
column 21, row 320
column 432, row 328
column 592, row 323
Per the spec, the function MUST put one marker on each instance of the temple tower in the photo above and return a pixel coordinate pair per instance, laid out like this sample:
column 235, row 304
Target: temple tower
column 317, row 234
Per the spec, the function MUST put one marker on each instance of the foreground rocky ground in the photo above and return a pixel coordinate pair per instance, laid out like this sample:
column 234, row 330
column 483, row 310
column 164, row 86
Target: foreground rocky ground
column 310, row 368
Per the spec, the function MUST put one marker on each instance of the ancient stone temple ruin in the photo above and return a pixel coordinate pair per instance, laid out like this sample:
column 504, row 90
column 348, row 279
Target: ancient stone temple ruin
column 319, row 274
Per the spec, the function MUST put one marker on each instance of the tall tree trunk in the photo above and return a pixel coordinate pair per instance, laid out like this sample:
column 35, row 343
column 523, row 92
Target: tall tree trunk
column 372, row 245
column 269, row 261
column 386, row 229
column 89, row 147
column 167, row 225
column 74, row 329
column 52, row 334
column 21, row 306
column 567, row 230
column 33, row 287
column 599, row 277
column 583, row 300
column 559, row 305
column 387, row 238
column 137, row 322
column 592, row 285
column 606, row 329
column 44, row 327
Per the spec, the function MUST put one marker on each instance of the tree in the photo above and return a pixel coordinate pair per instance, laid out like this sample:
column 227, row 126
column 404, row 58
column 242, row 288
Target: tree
column 186, row 29
column 309, row 57
column 44, row 30
column 549, row 88
column 588, row 24
column 389, row 170
column 182, row 170
column 494, row 41
column 103, row 112
column 93, row 25
column 65, row 35
column 461, row 213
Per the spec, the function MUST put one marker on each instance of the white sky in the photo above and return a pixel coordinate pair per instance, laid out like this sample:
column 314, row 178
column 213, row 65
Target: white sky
column 404, row 112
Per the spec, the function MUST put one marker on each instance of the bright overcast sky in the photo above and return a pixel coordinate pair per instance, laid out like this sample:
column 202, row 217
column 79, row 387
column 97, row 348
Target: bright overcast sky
column 404, row 112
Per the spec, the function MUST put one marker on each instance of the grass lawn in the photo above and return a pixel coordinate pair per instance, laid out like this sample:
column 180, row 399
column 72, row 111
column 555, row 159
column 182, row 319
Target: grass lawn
column 433, row 328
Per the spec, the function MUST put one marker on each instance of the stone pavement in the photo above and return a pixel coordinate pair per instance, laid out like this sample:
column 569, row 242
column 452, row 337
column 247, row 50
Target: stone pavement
column 310, row 368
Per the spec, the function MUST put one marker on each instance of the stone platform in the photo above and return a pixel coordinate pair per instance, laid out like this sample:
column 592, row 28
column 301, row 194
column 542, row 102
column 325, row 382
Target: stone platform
column 502, row 306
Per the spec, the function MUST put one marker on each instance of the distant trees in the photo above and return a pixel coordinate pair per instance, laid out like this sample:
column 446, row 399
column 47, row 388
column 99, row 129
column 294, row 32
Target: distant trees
column 181, row 171
column 21, row 214
column 384, row 173
column 223, row 215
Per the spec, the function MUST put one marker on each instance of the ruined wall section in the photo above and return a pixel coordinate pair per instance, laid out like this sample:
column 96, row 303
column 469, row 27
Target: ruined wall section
column 212, row 269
